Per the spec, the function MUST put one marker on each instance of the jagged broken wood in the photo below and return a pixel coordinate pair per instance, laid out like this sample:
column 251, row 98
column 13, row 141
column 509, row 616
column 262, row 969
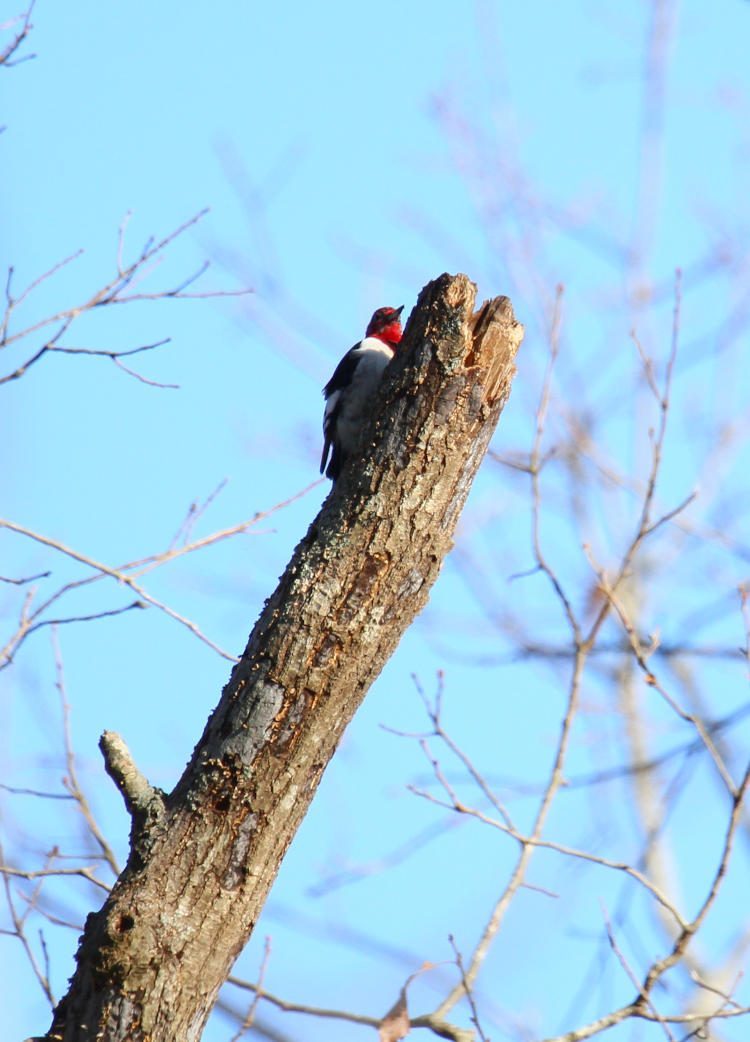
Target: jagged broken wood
column 203, row 858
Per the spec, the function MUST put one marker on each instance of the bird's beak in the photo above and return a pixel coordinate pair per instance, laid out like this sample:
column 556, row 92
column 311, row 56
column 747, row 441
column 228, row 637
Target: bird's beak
column 399, row 310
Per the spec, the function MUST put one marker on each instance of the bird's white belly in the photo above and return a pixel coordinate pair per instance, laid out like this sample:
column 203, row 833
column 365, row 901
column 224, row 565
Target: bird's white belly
column 358, row 397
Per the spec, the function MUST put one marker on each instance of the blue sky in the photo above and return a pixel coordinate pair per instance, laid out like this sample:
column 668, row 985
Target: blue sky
column 348, row 155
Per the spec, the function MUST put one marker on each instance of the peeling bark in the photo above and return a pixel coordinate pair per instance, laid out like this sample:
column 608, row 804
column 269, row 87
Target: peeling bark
column 150, row 963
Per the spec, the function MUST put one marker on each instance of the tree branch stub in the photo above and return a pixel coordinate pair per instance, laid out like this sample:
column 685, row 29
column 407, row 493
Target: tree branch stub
column 138, row 794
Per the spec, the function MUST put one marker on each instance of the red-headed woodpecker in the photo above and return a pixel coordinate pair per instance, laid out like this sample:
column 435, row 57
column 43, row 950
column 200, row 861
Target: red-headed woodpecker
column 349, row 392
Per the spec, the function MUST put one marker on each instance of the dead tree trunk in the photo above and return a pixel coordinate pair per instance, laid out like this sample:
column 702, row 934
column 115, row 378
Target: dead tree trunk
column 151, row 961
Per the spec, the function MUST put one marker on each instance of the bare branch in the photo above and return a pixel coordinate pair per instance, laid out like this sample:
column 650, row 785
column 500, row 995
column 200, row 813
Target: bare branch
column 7, row 53
column 113, row 292
column 468, row 990
column 19, row 932
column 641, row 657
column 30, row 621
column 631, row 976
column 71, row 782
column 686, row 934
column 115, row 357
column 247, row 1023
column 298, row 1007
column 536, row 464
column 138, row 794
column 121, row 577
column 439, row 1027
column 40, row 873
column 28, row 579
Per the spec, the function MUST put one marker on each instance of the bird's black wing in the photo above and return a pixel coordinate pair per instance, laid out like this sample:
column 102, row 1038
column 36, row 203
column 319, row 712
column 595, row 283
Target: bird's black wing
column 342, row 377
column 342, row 374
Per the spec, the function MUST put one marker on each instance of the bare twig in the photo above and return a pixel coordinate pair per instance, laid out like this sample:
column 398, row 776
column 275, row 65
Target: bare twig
column 298, row 1007
column 84, row 872
column 125, row 574
column 247, row 1023
column 631, row 976
column 691, row 928
column 641, row 656
column 113, row 292
column 7, row 53
column 195, row 512
column 115, row 356
column 535, row 468
column 71, row 782
column 468, row 990
column 28, row 579
column 439, row 1027
column 560, row 848
column 19, row 932
column 121, row 577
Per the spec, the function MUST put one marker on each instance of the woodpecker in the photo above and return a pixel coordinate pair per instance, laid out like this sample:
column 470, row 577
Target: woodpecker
column 349, row 391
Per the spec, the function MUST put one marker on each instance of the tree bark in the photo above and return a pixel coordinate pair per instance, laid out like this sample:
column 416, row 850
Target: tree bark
column 150, row 963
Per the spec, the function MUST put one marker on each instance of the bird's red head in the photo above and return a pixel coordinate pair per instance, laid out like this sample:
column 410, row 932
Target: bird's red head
column 385, row 324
